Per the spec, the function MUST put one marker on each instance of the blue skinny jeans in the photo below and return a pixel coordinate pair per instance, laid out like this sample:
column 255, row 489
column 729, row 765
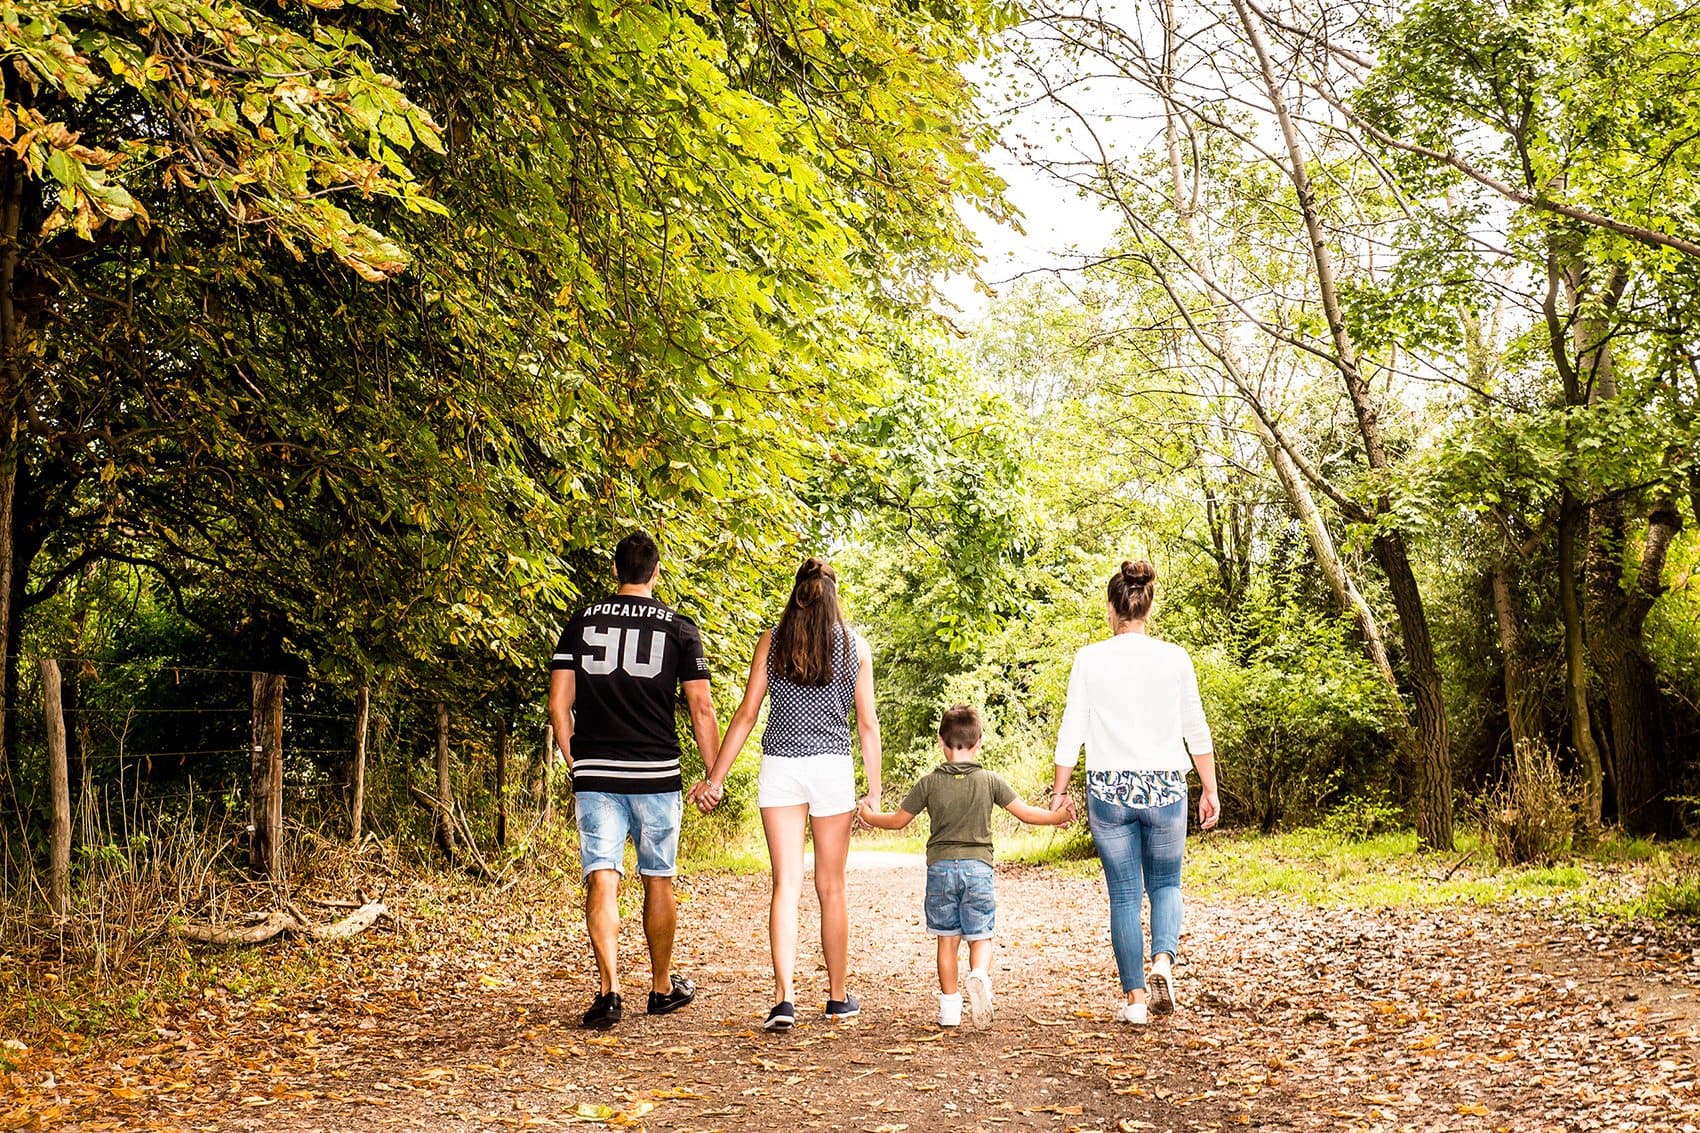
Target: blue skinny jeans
column 1141, row 851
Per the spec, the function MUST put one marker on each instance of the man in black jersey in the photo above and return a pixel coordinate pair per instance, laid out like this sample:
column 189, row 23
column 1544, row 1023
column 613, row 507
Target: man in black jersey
column 613, row 686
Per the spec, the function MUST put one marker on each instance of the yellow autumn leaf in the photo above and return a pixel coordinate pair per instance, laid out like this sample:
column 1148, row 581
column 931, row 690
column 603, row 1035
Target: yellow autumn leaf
column 633, row 1115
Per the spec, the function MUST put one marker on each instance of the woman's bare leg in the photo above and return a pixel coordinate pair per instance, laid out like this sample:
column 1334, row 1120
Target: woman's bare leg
column 832, row 851
column 784, row 826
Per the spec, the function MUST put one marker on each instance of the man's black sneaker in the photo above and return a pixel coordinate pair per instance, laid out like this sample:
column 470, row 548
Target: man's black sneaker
column 662, row 1003
column 781, row 1018
column 605, row 1011
column 846, row 1008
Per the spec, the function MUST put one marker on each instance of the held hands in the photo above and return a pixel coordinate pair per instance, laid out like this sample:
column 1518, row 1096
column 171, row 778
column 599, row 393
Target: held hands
column 867, row 808
column 1062, row 809
column 1209, row 810
column 705, row 795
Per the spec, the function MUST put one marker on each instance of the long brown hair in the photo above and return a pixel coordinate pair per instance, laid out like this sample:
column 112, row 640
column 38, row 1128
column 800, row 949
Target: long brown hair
column 1131, row 590
column 810, row 628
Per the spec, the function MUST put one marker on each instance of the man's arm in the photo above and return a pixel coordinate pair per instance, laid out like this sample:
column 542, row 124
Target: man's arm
column 706, row 794
column 563, row 688
column 699, row 701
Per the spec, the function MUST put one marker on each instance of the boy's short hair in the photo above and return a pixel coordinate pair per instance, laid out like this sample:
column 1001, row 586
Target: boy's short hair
column 959, row 727
column 635, row 558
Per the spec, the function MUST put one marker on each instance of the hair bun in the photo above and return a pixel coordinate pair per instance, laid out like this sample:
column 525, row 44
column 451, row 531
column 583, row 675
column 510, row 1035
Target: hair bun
column 1139, row 573
column 812, row 568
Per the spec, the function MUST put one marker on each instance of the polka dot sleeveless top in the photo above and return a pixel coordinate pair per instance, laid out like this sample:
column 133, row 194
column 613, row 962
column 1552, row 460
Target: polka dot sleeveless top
column 812, row 721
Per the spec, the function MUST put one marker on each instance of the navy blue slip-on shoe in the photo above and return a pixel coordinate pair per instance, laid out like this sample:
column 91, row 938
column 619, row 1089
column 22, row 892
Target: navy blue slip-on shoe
column 782, row 1018
column 846, row 1008
column 605, row 1011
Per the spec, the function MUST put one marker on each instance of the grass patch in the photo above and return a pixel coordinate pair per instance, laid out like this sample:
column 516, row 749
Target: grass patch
column 1626, row 878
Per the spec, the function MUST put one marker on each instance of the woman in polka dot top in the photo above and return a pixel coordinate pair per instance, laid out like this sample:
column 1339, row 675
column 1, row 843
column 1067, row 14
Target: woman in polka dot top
column 814, row 672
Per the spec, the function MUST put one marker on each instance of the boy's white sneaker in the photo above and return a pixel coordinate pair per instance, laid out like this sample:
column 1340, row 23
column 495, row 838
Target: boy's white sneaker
column 1134, row 1013
column 950, row 1010
column 979, row 998
column 1161, row 979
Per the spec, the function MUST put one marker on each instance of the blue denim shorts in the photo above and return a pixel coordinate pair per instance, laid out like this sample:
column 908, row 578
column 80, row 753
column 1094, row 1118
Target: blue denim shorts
column 606, row 819
column 959, row 899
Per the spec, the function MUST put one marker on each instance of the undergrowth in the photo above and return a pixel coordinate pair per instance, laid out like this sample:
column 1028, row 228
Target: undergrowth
column 1626, row 878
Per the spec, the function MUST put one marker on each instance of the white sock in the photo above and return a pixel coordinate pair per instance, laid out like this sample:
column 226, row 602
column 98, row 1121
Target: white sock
column 950, row 1009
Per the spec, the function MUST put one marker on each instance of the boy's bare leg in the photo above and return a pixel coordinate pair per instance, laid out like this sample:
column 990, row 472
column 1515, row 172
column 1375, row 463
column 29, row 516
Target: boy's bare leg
column 979, row 955
column 948, row 946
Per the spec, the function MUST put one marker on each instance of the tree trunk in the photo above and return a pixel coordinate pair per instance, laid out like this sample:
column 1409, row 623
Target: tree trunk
column 1616, row 617
column 59, row 791
column 1293, row 483
column 1576, row 678
column 1522, row 698
column 445, row 790
column 1430, row 747
column 357, row 805
column 502, row 781
column 11, row 391
column 265, row 849
column 546, row 777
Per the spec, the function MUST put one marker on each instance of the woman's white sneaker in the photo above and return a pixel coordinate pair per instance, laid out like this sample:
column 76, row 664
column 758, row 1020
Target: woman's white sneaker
column 1134, row 1013
column 1161, row 980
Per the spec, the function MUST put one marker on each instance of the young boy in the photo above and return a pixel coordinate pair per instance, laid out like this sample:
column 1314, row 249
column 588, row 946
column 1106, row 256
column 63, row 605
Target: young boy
column 958, row 795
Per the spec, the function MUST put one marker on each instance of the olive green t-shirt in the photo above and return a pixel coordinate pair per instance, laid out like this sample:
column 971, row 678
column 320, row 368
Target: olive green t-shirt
column 958, row 798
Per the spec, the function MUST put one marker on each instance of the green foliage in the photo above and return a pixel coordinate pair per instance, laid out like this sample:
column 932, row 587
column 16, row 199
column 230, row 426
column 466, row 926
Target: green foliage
column 276, row 121
column 1295, row 708
column 1676, row 899
column 1360, row 817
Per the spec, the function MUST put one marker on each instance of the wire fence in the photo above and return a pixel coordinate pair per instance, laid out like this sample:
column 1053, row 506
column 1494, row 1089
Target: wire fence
column 157, row 733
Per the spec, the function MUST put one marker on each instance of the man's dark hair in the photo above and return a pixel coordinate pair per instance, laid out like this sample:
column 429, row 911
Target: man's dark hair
column 635, row 558
column 959, row 727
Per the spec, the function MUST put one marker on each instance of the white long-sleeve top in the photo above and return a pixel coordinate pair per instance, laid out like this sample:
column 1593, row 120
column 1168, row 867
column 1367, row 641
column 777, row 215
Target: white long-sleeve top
column 1133, row 701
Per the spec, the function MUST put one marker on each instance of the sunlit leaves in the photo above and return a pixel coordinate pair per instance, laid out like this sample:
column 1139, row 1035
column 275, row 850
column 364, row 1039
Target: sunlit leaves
column 272, row 122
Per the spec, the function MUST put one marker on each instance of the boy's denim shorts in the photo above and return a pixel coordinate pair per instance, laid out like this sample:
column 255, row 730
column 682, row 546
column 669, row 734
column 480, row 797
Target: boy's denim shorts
column 605, row 819
column 959, row 899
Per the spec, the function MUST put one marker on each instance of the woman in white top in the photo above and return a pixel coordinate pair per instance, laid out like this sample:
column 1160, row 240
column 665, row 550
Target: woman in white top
column 1133, row 701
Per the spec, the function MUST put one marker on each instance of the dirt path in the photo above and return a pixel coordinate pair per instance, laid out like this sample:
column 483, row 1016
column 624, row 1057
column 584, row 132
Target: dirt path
column 1293, row 1018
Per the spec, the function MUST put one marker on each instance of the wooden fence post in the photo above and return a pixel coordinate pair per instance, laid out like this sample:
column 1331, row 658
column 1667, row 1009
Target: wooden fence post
column 546, row 775
column 502, row 781
column 59, row 789
column 445, row 792
column 265, row 850
column 362, row 717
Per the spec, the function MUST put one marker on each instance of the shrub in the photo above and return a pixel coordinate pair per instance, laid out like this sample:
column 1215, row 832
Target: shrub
column 1531, row 819
column 1297, row 715
column 1360, row 817
column 1678, row 899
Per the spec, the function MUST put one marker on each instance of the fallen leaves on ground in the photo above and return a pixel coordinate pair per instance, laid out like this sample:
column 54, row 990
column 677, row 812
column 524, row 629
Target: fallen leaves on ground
column 1292, row 1018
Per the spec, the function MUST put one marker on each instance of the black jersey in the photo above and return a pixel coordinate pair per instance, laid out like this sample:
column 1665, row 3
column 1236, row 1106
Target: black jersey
column 630, row 654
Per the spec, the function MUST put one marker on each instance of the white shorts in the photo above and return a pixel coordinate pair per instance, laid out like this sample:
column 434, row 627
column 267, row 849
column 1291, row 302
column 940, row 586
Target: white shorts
column 827, row 783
